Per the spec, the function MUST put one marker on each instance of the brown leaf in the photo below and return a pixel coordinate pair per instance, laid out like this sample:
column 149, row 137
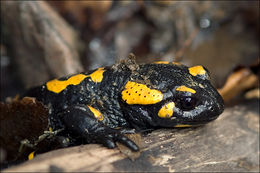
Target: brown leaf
column 128, row 152
column 237, row 82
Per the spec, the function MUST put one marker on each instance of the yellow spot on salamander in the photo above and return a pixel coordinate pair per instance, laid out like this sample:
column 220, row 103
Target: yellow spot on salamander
column 185, row 89
column 97, row 75
column 57, row 85
column 166, row 62
column 96, row 113
column 176, row 63
column 50, row 129
column 161, row 62
column 136, row 93
column 197, row 70
column 167, row 110
column 183, row 125
column 31, row 156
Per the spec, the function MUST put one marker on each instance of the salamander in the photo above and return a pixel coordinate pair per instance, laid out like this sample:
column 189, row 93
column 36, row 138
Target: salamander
column 101, row 106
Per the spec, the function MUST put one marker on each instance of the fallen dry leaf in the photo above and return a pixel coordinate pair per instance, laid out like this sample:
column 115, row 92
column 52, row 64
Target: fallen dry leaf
column 128, row 152
column 239, row 81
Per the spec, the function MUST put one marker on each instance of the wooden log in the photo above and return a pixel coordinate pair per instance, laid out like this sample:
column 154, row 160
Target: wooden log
column 230, row 143
column 42, row 44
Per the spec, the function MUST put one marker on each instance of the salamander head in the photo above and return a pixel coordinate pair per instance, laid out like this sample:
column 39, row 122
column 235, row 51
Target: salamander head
column 172, row 95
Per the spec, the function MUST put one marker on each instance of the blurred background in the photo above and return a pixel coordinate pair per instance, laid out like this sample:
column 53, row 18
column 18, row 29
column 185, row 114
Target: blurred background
column 42, row 40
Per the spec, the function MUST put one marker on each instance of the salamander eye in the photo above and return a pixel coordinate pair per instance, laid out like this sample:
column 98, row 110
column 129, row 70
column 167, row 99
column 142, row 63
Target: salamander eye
column 188, row 103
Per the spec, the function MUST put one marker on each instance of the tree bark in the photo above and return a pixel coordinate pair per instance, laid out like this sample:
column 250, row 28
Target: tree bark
column 230, row 143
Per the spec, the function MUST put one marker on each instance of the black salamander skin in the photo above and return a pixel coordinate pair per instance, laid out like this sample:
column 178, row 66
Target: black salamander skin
column 102, row 105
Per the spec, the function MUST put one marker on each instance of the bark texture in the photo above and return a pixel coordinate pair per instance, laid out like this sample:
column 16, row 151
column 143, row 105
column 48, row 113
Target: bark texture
column 231, row 143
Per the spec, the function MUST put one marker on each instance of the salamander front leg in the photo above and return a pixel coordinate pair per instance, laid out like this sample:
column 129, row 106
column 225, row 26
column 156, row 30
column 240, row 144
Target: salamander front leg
column 84, row 122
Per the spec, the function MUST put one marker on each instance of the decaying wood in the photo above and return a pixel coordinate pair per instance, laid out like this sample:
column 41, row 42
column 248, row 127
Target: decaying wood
column 40, row 41
column 231, row 143
column 21, row 120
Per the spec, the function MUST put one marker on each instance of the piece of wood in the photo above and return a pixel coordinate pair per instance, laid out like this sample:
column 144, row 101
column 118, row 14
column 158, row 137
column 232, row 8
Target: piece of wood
column 21, row 120
column 230, row 143
column 42, row 44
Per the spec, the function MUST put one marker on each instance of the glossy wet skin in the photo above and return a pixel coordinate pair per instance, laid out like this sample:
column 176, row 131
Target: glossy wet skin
column 101, row 105
column 192, row 98
column 195, row 109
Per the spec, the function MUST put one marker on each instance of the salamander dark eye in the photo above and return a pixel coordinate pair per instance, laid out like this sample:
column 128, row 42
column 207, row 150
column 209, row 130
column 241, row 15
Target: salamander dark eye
column 188, row 103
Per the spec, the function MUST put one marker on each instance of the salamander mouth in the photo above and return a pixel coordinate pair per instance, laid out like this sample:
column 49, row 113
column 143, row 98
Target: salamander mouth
column 199, row 122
